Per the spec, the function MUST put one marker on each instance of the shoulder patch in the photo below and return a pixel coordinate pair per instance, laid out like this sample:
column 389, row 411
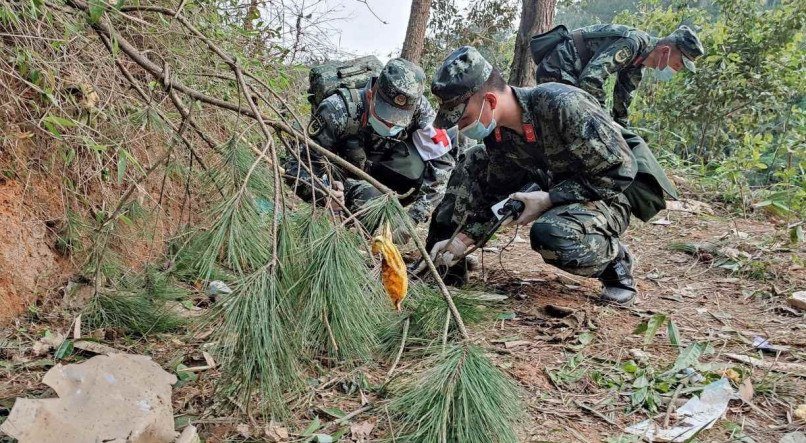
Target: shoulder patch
column 623, row 54
column 315, row 126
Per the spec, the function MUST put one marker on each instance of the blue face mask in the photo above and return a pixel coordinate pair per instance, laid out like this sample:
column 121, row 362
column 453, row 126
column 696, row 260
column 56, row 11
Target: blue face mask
column 476, row 130
column 381, row 128
column 665, row 74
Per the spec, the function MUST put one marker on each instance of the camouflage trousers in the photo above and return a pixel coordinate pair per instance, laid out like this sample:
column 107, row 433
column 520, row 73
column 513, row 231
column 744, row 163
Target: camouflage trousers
column 580, row 238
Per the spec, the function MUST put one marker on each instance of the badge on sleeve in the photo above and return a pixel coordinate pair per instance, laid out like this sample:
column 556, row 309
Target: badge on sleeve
column 315, row 126
column 623, row 54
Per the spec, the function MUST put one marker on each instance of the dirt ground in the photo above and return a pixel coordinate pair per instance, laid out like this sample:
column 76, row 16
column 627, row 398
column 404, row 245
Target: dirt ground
column 568, row 358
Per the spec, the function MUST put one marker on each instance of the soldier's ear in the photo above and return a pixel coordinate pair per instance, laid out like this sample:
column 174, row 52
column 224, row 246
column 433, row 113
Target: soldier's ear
column 492, row 98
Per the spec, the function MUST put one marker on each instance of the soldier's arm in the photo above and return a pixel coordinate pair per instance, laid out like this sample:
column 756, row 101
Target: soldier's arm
column 626, row 84
column 324, row 129
column 432, row 191
column 497, row 179
column 596, row 161
column 616, row 56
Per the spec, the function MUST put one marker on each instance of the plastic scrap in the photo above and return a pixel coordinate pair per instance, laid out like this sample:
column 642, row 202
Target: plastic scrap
column 697, row 414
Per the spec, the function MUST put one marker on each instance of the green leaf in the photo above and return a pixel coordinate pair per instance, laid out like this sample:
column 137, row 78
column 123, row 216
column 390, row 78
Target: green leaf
column 334, row 412
column 313, row 427
column 97, row 8
column 688, row 356
column 506, row 316
column 121, row 167
column 183, row 374
column 629, row 367
column 322, row 438
column 652, row 327
column 674, row 334
column 64, row 350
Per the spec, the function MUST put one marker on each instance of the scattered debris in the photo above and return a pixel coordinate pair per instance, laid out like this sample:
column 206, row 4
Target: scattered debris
column 94, row 347
column 46, row 343
column 798, row 300
column 120, row 397
column 218, row 287
column 276, row 433
column 800, row 412
column 746, row 390
column 189, row 435
column 516, row 343
column 793, row 437
column 697, row 414
column 361, row 431
column 557, row 311
column 689, row 205
column 519, row 239
column 763, row 344
column 662, row 222
column 777, row 366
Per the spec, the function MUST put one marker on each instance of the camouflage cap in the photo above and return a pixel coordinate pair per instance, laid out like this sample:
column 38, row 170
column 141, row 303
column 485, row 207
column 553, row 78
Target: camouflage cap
column 689, row 44
column 460, row 76
column 400, row 87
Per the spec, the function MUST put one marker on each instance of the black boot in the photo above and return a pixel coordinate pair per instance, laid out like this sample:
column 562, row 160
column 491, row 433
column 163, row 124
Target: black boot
column 618, row 284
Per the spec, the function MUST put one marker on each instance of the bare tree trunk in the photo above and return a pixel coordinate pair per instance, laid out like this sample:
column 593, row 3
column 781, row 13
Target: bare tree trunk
column 537, row 16
column 251, row 14
column 415, row 33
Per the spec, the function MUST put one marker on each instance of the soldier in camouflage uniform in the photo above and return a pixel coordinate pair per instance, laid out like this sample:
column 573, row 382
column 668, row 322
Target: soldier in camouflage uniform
column 586, row 57
column 388, row 118
column 553, row 134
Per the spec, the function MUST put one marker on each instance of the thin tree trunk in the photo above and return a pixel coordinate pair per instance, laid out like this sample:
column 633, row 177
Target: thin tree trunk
column 415, row 33
column 537, row 16
column 251, row 14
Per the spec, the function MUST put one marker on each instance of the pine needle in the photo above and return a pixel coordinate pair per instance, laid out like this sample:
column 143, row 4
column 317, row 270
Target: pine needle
column 341, row 304
column 461, row 397
column 137, row 305
column 427, row 310
column 257, row 350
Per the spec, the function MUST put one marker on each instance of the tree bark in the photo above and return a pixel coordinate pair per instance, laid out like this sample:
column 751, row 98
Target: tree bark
column 537, row 17
column 415, row 33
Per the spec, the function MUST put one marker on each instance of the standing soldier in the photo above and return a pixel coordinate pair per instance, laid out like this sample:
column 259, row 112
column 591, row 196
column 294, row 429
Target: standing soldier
column 558, row 136
column 587, row 56
column 385, row 129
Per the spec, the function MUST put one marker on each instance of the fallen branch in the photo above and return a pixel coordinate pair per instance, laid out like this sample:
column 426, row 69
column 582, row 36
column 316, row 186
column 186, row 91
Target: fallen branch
column 103, row 26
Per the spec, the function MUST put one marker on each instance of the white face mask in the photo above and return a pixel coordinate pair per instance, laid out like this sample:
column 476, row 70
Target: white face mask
column 665, row 74
column 381, row 128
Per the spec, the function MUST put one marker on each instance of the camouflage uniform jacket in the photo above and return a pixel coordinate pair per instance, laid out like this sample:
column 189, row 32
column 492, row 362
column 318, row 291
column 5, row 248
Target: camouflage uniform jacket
column 567, row 137
column 353, row 139
column 613, row 49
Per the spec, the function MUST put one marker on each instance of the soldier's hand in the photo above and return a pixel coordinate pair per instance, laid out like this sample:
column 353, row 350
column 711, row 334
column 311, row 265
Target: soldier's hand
column 337, row 193
column 536, row 203
column 447, row 252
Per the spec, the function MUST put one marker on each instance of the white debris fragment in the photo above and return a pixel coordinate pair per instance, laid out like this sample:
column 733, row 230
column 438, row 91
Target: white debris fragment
column 697, row 414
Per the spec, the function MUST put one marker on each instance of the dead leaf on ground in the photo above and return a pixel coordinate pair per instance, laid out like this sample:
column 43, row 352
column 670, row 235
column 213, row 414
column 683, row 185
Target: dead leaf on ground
column 276, row 433
column 746, row 390
column 361, row 431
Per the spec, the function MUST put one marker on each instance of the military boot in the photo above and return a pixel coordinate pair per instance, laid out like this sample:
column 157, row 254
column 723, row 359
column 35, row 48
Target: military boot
column 618, row 284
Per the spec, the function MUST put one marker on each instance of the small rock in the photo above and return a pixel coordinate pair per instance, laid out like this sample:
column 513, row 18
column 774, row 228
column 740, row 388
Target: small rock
column 218, row 287
column 639, row 355
column 519, row 239
column 798, row 300
column 189, row 435
column 800, row 412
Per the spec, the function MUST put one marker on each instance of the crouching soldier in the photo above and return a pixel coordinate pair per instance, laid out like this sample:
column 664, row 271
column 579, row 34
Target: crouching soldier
column 586, row 57
column 592, row 178
column 384, row 128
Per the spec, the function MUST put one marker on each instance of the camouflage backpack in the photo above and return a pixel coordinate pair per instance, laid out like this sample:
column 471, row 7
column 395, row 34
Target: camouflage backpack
column 330, row 77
